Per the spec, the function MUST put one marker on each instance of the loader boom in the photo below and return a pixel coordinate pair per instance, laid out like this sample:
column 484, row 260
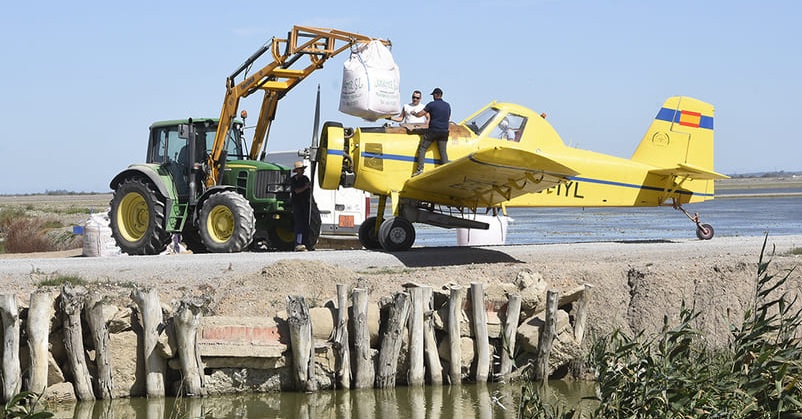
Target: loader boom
column 275, row 79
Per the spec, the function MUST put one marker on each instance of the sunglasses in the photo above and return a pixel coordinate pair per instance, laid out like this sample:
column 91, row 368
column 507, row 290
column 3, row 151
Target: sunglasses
column 415, row 97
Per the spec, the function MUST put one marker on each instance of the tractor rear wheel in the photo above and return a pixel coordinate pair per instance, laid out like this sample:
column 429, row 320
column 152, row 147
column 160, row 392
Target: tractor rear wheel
column 226, row 223
column 138, row 218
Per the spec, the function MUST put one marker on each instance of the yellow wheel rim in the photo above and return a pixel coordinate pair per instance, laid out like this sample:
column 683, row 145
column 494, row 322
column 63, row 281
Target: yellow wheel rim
column 133, row 216
column 220, row 224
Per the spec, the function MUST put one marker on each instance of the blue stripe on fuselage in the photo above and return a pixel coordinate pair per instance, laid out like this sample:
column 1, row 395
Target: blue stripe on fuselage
column 397, row 157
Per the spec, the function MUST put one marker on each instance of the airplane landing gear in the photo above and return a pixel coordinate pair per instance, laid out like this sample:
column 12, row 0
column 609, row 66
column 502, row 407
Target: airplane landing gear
column 704, row 231
column 396, row 234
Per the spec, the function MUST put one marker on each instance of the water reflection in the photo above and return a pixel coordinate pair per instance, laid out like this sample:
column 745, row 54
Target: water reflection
column 435, row 402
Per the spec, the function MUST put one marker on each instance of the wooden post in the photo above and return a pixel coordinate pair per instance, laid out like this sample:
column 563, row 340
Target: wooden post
column 391, row 341
column 435, row 368
column 11, row 374
column 38, row 327
column 152, row 325
column 415, row 375
column 454, row 335
column 481, row 339
column 187, row 320
column 546, row 336
column 100, row 337
column 364, row 376
column 510, row 332
column 582, row 314
column 72, row 302
column 342, row 351
column 302, row 343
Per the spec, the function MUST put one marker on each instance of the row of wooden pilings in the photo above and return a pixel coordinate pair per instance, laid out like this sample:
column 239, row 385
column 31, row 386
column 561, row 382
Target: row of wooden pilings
column 410, row 315
column 412, row 311
column 74, row 301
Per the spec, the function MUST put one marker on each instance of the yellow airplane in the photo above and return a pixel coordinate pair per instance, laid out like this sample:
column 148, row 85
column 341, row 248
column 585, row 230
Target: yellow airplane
column 524, row 165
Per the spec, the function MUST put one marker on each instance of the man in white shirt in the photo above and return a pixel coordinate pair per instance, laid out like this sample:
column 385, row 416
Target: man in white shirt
column 406, row 116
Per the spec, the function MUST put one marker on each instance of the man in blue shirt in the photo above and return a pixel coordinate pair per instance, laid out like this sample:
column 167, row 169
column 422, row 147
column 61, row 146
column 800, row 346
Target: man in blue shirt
column 439, row 112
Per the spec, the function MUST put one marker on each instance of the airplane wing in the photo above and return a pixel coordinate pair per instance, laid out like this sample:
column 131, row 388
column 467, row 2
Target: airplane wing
column 487, row 178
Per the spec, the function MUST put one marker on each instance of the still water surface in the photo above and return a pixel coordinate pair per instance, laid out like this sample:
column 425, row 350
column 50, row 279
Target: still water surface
column 444, row 402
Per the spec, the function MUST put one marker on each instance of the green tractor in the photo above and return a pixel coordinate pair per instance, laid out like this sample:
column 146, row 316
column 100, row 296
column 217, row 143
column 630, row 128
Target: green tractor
column 248, row 206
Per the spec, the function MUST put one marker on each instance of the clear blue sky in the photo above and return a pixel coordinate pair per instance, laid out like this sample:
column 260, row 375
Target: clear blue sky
column 82, row 81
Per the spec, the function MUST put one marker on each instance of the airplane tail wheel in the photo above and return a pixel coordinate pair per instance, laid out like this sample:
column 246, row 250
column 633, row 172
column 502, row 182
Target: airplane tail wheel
column 396, row 234
column 369, row 235
column 704, row 232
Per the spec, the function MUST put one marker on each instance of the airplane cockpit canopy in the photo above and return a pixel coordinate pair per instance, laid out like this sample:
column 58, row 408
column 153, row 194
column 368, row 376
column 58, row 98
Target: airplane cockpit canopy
column 493, row 123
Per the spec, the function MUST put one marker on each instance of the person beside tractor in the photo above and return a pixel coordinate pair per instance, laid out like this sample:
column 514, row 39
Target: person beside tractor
column 439, row 114
column 301, row 199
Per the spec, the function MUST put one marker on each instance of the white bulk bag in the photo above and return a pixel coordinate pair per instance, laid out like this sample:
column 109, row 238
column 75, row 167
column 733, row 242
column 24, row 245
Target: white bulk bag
column 371, row 80
column 97, row 237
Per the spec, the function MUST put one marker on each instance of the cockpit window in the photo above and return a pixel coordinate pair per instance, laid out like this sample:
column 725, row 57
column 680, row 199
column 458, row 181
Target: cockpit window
column 478, row 124
column 509, row 128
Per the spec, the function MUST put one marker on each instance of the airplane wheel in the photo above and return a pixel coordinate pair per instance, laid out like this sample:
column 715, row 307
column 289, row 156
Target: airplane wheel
column 704, row 232
column 368, row 236
column 396, row 234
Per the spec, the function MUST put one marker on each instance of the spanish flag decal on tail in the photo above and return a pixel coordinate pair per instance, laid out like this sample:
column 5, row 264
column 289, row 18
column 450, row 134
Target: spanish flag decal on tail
column 690, row 119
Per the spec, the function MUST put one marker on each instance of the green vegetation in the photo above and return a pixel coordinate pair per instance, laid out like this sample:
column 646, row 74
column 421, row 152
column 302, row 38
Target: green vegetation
column 24, row 405
column 676, row 375
column 794, row 252
column 60, row 280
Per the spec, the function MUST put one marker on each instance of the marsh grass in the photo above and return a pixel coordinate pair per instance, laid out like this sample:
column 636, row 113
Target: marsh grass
column 676, row 375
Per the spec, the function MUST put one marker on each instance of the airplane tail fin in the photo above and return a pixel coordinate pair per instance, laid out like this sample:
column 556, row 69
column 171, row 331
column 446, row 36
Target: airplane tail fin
column 680, row 139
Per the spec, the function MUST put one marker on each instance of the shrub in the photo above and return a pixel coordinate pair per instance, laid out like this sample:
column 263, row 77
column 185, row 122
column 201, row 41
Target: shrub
column 676, row 375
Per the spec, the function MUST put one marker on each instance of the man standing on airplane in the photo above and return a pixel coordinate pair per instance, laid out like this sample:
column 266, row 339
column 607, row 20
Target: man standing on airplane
column 439, row 112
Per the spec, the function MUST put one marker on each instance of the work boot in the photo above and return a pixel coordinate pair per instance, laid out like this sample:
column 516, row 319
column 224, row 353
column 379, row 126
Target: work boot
column 300, row 248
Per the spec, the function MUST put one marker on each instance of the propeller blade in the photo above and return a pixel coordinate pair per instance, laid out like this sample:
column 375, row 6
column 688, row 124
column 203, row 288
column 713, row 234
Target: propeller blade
column 313, row 150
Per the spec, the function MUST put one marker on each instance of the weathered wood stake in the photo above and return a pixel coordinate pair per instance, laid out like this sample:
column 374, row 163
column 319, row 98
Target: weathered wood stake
column 481, row 340
column 152, row 325
column 302, row 343
column 546, row 337
column 38, row 327
column 100, row 336
column 342, row 351
column 72, row 302
column 582, row 314
column 391, row 341
column 434, row 367
column 187, row 320
column 454, row 335
column 415, row 375
column 510, row 333
column 11, row 374
column 363, row 361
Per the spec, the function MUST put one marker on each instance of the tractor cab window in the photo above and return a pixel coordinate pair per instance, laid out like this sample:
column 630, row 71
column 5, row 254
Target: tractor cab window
column 165, row 145
column 509, row 128
column 233, row 144
column 481, row 121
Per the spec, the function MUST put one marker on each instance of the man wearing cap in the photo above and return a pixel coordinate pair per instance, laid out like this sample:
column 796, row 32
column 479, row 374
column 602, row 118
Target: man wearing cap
column 301, row 198
column 439, row 113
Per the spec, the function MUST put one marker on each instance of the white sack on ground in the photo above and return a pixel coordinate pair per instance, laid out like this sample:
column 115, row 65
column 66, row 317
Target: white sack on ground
column 371, row 80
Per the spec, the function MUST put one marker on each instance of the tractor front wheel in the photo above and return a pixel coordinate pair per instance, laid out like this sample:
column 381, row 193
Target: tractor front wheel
column 226, row 223
column 138, row 218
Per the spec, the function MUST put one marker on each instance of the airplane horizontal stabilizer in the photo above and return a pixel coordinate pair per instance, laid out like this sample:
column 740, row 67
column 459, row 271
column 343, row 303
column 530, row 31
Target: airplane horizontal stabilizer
column 691, row 171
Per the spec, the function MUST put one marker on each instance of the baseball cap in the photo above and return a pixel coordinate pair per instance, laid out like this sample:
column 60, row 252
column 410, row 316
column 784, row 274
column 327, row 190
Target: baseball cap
column 436, row 91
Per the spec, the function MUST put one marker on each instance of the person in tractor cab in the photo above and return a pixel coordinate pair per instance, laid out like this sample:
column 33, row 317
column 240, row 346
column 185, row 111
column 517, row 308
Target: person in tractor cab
column 301, row 199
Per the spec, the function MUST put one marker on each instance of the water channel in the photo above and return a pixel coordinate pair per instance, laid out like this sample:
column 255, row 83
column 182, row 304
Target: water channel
column 460, row 401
